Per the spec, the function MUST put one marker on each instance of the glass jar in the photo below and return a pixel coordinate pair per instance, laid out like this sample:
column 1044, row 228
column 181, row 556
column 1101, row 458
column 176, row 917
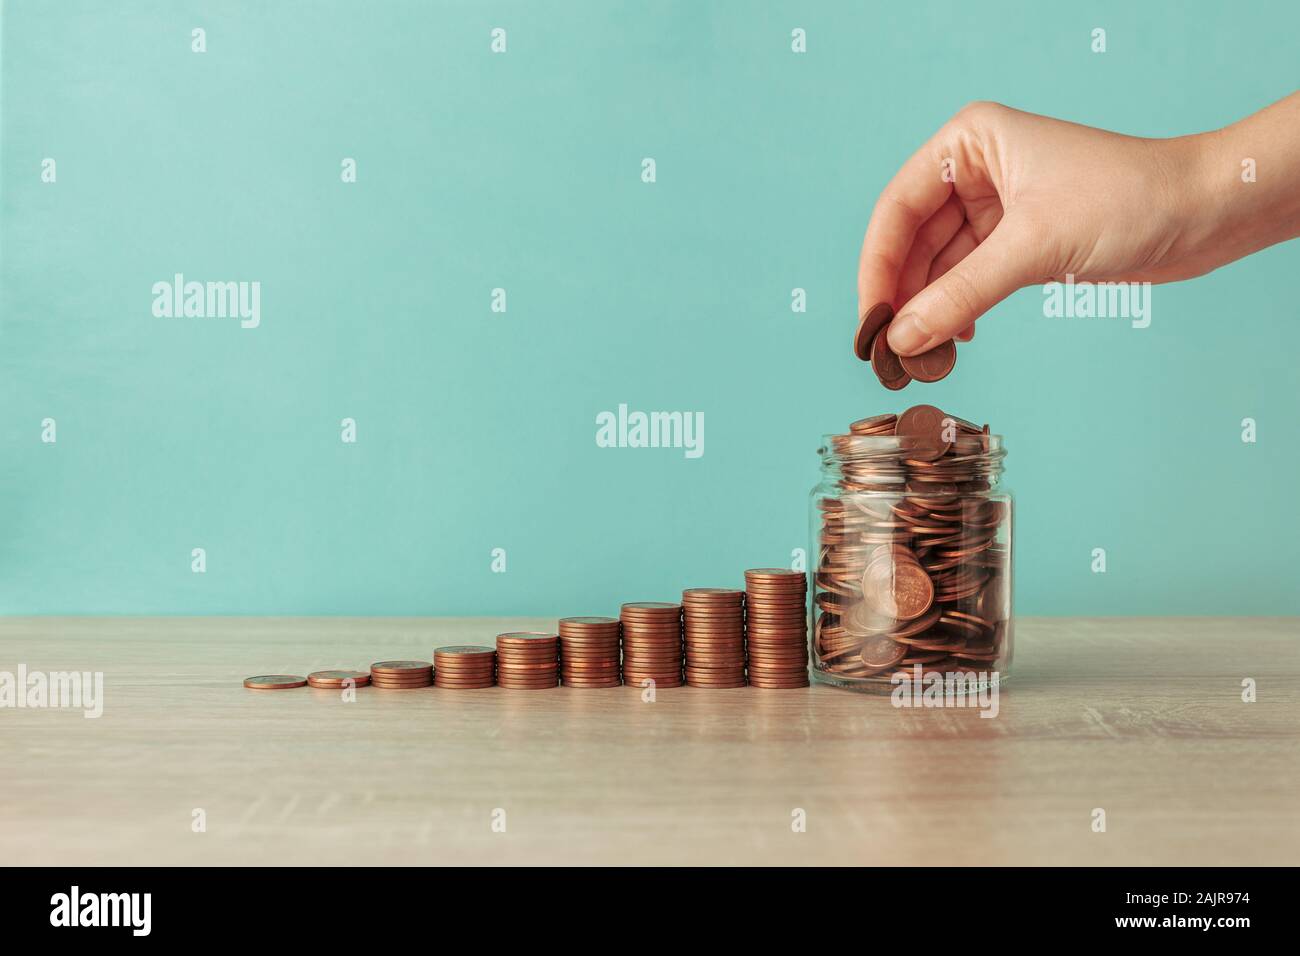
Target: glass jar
column 913, row 569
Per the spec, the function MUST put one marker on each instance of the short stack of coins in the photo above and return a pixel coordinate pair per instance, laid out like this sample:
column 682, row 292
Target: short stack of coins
column 401, row 675
column 464, row 667
column 589, row 652
column 652, row 643
column 338, row 680
column 715, row 637
column 776, row 628
column 914, row 564
column 528, row 660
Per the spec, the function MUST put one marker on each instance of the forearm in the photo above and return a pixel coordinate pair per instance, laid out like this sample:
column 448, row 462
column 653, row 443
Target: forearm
column 1250, row 176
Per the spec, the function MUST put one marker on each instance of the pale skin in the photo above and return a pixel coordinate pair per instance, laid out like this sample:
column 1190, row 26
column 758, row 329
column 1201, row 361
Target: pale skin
column 999, row 199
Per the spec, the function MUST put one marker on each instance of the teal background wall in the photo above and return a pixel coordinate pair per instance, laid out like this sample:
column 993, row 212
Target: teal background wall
column 522, row 171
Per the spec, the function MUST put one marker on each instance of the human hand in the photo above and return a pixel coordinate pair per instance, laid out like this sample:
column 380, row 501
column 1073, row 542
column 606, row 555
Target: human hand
column 999, row 199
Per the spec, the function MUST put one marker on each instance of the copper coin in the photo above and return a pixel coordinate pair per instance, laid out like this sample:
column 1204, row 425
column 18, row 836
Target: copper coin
column 418, row 679
column 399, row 667
column 717, row 685
column 883, row 424
column 903, row 590
column 713, row 595
column 465, row 662
column 920, row 431
column 880, row 652
column 587, row 623
column 649, row 611
column 775, row 575
column 887, row 365
column 872, row 321
column 523, row 639
column 932, row 365
column 336, row 677
column 274, row 682
column 465, row 651
column 463, row 678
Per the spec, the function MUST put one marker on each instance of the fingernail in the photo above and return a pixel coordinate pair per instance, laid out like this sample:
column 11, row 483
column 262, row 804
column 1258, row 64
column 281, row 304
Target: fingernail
column 907, row 334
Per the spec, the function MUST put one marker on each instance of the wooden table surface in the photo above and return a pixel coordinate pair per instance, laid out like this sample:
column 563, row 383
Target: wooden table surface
column 1142, row 718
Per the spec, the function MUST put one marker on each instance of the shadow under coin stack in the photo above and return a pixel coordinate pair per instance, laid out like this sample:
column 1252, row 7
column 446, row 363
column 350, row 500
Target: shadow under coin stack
column 776, row 628
column 652, row 643
column 464, row 667
column 914, row 562
column 528, row 660
column 401, row 675
column 589, row 653
column 715, row 637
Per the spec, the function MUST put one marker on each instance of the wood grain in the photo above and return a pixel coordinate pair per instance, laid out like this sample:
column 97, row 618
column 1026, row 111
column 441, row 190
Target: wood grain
column 1141, row 717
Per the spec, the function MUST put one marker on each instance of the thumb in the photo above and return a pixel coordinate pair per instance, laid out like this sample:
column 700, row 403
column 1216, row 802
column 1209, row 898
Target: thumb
column 997, row 267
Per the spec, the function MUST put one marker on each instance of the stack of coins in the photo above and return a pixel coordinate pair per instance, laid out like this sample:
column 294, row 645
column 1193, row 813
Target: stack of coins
column 528, row 660
column 715, row 637
column 589, row 655
column 401, row 675
column 337, row 680
column 652, row 643
column 914, row 567
column 464, row 667
column 776, row 631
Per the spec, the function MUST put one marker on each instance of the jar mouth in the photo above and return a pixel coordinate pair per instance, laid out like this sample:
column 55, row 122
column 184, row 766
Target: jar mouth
column 885, row 462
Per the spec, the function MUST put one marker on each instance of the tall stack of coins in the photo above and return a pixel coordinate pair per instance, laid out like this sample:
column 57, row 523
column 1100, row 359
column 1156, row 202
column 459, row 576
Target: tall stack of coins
column 528, row 660
column 337, row 680
column 401, row 675
column 914, row 563
column 652, row 643
column 464, row 667
column 589, row 652
column 776, row 628
column 715, row 637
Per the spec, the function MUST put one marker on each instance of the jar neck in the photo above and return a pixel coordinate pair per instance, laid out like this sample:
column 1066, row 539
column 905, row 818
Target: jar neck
column 970, row 464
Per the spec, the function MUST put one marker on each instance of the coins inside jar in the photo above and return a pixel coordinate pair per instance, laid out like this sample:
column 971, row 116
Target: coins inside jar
column 914, row 552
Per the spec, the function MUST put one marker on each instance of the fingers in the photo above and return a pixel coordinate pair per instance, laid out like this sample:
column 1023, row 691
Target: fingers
column 930, row 240
column 962, row 245
column 916, row 193
column 990, row 272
